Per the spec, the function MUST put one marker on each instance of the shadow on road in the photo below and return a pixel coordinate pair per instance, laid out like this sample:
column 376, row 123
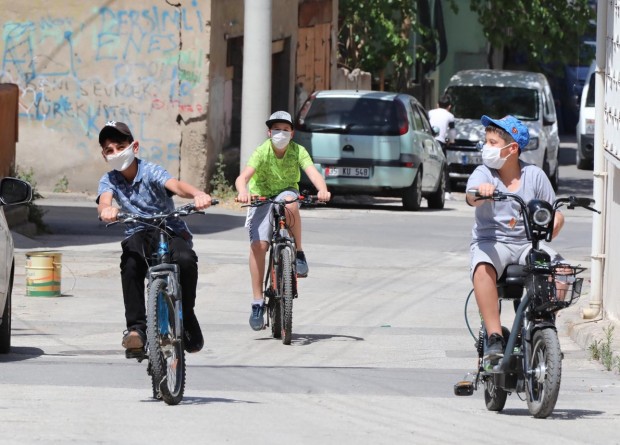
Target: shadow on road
column 19, row 354
column 307, row 339
column 558, row 414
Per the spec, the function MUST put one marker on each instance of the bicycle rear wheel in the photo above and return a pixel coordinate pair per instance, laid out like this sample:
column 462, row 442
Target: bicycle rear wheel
column 165, row 351
column 285, row 285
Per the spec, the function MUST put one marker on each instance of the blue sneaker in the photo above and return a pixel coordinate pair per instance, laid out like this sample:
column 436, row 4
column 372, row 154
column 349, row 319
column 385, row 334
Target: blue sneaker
column 301, row 264
column 257, row 322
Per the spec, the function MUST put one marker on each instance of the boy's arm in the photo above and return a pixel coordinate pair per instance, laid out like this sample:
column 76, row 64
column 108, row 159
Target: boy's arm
column 319, row 183
column 183, row 189
column 558, row 223
column 107, row 212
column 241, row 184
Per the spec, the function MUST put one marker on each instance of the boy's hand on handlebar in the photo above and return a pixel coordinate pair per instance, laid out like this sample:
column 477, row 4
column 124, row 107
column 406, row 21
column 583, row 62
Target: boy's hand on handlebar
column 109, row 214
column 486, row 190
column 324, row 195
column 243, row 198
column 202, row 201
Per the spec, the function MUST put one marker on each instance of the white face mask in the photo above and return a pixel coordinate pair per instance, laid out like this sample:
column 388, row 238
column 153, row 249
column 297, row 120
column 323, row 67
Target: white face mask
column 491, row 156
column 121, row 161
column 280, row 138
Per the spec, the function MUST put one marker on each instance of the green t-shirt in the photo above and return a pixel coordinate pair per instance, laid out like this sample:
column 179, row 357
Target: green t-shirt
column 273, row 175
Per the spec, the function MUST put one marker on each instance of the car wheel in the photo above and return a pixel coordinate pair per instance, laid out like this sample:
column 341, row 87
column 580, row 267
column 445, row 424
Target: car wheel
column 437, row 199
column 582, row 164
column 5, row 327
column 412, row 195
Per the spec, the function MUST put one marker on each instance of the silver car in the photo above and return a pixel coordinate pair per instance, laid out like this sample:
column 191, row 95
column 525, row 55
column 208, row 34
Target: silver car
column 12, row 191
column 373, row 143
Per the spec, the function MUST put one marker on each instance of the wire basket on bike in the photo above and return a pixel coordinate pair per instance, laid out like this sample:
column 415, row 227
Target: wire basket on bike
column 557, row 290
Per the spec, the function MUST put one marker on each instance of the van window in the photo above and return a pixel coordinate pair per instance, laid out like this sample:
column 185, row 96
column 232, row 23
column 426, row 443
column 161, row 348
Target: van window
column 471, row 102
column 352, row 115
column 590, row 96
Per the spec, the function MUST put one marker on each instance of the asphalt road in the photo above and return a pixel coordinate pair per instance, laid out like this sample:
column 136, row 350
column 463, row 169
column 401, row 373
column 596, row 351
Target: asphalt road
column 379, row 340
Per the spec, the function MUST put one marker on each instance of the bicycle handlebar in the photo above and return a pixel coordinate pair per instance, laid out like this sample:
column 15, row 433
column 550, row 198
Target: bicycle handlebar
column 571, row 201
column 257, row 201
column 182, row 211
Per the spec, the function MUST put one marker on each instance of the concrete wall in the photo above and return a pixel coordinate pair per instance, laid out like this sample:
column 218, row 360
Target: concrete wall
column 81, row 63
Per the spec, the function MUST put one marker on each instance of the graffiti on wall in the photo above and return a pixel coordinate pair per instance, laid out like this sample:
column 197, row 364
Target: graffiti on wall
column 119, row 64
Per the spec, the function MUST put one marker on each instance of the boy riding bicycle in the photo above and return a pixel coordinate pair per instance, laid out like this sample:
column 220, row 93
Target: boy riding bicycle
column 273, row 170
column 144, row 188
column 499, row 236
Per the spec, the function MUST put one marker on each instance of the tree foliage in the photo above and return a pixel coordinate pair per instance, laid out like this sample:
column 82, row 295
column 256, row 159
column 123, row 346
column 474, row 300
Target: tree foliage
column 546, row 31
column 377, row 34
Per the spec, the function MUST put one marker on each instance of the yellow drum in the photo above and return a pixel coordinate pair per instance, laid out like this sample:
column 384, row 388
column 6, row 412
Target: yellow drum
column 43, row 274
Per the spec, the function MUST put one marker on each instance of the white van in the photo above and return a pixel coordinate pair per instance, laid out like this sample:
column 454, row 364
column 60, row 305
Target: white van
column 525, row 95
column 585, row 124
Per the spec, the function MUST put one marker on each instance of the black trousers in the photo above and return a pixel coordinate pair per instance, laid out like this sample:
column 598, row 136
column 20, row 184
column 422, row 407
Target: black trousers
column 136, row 249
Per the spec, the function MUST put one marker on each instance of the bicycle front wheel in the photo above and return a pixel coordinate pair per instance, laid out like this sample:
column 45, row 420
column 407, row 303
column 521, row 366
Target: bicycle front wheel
column 285, row 285
column 165, row 350
column 543, row 386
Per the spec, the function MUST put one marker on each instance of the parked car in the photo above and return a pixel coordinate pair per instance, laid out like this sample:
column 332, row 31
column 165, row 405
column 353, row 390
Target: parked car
column 585, row 125
column 525, row 95
column 373, row 143
column 12, row 191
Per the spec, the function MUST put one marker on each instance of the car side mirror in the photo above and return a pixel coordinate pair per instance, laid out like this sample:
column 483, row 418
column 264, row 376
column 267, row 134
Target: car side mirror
column 435, row 130
column 14, row 191
column 548, row 120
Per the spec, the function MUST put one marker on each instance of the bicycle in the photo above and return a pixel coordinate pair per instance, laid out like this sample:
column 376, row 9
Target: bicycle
column 532, row 361
column 280, row 284
column 164, row 312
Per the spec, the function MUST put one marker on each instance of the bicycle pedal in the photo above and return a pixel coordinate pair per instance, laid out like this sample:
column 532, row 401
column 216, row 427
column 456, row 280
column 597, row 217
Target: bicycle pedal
column 464, row 388
column 138, row 354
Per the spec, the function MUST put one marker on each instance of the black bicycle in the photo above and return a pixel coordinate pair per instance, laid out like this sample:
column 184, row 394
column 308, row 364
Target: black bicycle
column 532, row 362
column 164, row 312
column 280, row 284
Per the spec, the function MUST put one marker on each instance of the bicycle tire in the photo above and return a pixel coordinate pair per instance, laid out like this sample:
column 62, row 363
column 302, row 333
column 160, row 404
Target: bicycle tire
column 543, row 387
column 285, row 285
column 165, row 351
column 275, row 317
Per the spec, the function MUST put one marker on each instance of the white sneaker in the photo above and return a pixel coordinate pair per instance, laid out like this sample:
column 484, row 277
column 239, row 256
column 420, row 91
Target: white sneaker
column 448, row 196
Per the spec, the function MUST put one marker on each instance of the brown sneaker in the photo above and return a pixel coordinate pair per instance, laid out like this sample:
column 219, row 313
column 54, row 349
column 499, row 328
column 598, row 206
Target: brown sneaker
column 132, row 340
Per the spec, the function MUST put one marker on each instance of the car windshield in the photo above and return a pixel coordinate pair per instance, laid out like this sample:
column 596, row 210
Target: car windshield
column 471, row 102
column 352, row 115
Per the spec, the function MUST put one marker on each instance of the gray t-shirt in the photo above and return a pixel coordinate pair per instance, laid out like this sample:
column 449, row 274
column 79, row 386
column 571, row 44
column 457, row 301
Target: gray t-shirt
column 502, row 220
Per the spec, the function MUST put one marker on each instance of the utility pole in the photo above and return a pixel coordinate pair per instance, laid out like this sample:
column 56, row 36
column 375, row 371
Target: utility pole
column 256, row 85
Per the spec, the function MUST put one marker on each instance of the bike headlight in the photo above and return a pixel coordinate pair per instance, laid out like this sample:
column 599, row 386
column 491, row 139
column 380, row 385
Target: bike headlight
column 541, row 212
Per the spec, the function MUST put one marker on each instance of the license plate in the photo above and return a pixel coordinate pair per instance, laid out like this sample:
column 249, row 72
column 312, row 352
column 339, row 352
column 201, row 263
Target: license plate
column 471, row 158
column 350, row 172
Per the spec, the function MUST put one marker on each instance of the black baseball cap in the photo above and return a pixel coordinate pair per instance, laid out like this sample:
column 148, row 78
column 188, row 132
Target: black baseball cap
column 113, row 128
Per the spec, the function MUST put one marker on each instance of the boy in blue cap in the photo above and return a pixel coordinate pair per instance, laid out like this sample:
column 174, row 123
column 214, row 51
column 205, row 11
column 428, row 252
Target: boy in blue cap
column 498, row 235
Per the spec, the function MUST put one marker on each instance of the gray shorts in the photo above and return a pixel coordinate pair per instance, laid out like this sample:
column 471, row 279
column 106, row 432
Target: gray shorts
column 500, row 255
column 258, row 220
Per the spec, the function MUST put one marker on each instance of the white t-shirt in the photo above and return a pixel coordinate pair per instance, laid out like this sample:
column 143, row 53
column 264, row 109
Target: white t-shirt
column 440, row 118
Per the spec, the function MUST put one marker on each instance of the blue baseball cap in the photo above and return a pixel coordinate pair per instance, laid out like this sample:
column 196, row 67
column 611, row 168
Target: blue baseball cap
column 513, row 126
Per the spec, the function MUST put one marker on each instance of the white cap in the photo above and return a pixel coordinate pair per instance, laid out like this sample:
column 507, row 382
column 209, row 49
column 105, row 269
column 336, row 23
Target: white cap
column 279, row 116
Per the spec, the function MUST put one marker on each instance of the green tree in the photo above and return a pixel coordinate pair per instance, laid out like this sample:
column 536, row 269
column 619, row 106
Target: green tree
column 546, row 31
column 376, row 35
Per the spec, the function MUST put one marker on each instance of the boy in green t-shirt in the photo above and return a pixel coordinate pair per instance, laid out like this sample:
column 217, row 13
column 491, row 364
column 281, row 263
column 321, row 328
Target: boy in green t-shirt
column 274, row 170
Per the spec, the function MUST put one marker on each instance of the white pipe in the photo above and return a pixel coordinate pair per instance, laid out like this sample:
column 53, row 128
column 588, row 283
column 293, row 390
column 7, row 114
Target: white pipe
column 256, row 93
column 598, row 220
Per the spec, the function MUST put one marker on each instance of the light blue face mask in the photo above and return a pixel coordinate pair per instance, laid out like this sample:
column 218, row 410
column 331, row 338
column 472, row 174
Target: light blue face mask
column 280, row 138
column 491, row 156
column 121, row 161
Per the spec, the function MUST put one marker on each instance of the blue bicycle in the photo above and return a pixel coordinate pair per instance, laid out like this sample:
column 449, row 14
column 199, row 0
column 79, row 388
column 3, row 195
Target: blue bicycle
column 164, row 311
